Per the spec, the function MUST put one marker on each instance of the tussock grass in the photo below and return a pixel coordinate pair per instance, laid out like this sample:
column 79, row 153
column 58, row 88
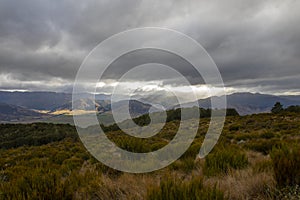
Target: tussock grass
column 194, row 189
column 223, row 159
column 286, row 164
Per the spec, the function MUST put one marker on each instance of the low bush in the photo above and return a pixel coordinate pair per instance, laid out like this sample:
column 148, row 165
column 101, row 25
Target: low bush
column 267, row 135
column 194, row 189
column 37, row 184
column 185, row 165
column 263, row 146
column 263, row 166
column 286, row 164
column 245, row 136
column 221, row 160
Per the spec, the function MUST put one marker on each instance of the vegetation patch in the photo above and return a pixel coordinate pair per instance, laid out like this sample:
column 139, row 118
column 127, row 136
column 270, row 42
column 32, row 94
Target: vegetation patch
column 286, row 164
column 173, row 188
column 222, row 159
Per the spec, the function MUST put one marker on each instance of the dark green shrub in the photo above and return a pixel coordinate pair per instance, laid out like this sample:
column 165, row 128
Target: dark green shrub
column 263, row 146
column 281, row 126
column 267, row 135
column 221, row 160
column 72, row 163
column 16, row 135
column 245, row 136
column 193, row 150
column 60, row 157
column 286, row 164
column 186, row 164
column 5, row 176
column 37, row 184
column 295, row 109
column 235, row 127
column 171, row 189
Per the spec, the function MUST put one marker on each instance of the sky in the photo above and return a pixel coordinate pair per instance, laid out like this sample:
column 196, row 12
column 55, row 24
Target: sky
column 255, row 44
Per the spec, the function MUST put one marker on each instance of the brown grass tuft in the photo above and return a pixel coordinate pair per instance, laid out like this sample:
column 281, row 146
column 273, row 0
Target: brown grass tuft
column 245, row 184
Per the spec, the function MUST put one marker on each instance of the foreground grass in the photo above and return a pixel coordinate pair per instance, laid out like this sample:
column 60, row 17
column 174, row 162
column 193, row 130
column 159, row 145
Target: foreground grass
column 247, row 163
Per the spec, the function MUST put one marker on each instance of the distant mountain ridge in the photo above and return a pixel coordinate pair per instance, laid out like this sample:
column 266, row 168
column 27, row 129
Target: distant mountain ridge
column 16, row 113
column 250, row 103
column 61, row 103
column 43, row 100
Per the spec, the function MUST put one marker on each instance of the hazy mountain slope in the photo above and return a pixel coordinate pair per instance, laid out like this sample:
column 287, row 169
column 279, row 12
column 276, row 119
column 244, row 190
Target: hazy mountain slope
column 161, row 98
column 249, row 103
column 136, row 108
column 42, row 100
column 35, row 100
column 84, row 105
column 17, row 113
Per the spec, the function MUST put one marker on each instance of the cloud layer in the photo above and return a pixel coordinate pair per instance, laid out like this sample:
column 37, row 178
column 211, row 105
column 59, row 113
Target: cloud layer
column 255, row 44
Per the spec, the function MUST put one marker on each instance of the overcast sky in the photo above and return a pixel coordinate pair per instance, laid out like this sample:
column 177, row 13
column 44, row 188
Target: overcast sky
column 255, row 44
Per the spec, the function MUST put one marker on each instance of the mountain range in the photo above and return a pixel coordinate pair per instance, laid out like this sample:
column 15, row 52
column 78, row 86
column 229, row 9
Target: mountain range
column 17, row 113
column 250, row 103
column 22, row 106
column 43, row 100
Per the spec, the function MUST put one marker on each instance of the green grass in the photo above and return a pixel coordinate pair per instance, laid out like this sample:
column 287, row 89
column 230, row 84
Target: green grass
column 223, row 159
column 173, row 189
column 286, row 163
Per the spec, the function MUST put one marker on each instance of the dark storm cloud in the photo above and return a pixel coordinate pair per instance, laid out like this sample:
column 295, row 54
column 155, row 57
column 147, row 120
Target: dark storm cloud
column 254, row 43
column 141, row 57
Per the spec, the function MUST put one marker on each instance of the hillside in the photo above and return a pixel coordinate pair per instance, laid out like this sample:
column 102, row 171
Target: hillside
column 249, row 103
column 17, row 113
column 39, row 161
column 83, row 106
column 42, row 100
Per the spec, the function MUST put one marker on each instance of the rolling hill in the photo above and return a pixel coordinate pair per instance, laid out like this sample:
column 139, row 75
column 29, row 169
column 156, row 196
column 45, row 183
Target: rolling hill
column 249, row 103
column 43, row 100
column 9, row 113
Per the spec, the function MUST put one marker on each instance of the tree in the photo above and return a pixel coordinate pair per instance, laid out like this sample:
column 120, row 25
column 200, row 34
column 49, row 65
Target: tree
column 277, row 108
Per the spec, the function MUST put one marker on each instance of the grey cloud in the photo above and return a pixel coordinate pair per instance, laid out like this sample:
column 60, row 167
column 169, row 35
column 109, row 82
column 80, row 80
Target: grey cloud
column 258, row 40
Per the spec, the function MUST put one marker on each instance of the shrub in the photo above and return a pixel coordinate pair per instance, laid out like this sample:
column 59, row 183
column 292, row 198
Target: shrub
column 186, row 164
column 235, row 127
column 245, row 136
column 193, row 150
column 295, row 109
column 37, row 184
column 263, row 166
column 171, row 189
column 263, row 146
column 221, row 160
column 60, row 157
column 286, row 164
column 267, row 135
column 73, row 163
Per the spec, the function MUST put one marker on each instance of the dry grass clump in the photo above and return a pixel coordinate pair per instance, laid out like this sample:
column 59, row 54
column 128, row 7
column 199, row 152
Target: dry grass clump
column 245, row 184
column 173, row 188
column 127, row 186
